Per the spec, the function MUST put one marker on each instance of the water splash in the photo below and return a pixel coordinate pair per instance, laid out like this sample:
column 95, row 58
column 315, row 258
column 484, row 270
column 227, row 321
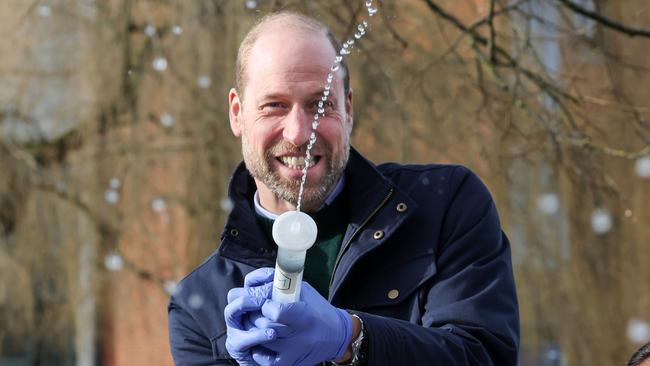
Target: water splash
column 177, row 30
column 158, row 205
column 601, row 221
column 171, row 287
column 167, row 120
column 44, row 10
column 204, row 81
column 114, row 262
column 112, row 196
column 638, row 331
column 195, row 301
column 160, row 64
column 548, row 203
column 345, row 50
column 150, row 30
column 642, row 166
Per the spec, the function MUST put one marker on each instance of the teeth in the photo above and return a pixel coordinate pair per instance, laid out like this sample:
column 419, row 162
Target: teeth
column 295, row 162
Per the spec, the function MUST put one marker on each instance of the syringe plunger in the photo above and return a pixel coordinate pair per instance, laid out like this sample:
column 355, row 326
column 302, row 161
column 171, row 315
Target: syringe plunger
column 294, row 232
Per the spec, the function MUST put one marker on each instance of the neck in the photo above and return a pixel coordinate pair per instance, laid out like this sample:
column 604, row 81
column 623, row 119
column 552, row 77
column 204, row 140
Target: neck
column 272, row 203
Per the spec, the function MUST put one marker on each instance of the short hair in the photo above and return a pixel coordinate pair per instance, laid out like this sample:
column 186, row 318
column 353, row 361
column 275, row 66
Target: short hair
column 639, row 356
column 291, row 19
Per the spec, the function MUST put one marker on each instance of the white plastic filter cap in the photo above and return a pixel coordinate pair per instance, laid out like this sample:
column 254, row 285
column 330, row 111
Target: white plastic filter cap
column 294, row 230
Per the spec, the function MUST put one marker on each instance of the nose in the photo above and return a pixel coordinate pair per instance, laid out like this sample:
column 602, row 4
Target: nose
column 297, row 126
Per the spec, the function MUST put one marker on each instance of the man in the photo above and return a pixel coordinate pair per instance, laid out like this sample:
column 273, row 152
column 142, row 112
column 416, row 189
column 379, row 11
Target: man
column 641, row 357
column 410, row 266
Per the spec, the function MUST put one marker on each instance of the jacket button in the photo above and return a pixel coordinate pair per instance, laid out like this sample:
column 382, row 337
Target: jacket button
column 234, row 232
column 402, row 207
column 378, row 234
column 392, row 294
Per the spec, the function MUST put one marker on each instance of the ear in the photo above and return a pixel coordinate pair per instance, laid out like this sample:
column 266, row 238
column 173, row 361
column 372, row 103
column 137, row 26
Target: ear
column 234, row 112
column 348, row 109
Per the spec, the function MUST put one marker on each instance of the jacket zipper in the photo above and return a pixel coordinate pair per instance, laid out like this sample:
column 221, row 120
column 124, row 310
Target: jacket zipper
column 347, row 243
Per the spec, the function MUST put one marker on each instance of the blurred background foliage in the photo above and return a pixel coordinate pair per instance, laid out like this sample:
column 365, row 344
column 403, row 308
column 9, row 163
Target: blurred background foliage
column 115, row 154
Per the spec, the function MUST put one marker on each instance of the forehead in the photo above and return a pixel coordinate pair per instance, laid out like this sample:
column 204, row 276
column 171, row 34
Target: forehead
column 289, row 56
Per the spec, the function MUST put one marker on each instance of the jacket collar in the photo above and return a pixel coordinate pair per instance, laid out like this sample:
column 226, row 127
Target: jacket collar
column 242, row 239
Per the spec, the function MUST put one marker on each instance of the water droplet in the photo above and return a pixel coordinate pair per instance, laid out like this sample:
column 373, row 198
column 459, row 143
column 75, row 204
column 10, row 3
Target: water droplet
column 160, row 64
column 350, row 42
column 638, row 331
column 158, row 205
column 167, row 120
column 44, row 10
column 357, row 35
column 112, row 196
column 204, row 81
column 320, row 104
column 251, row 4
column 372, row 11
column 601, row 221
column 361, row 28
column 326, row 92
column 330, row 77
column 323, row 98
column 195, row 301
column 368, row 4
column 548, row 203
column 338, row 59
column 171, row 287
column 328, row 86
column 365, row 24
column 113, row 262
column 316, row 117
column 177, row 30
column 321, row 110
column 553, row 354
column 642, row 166
column 335, row 66
column 150, row 30
column 114, row 183
column 226, row 204
column 314, row 125
column 345, row 51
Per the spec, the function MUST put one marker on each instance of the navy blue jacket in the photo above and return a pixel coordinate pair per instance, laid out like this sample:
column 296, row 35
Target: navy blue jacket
column 423, row 262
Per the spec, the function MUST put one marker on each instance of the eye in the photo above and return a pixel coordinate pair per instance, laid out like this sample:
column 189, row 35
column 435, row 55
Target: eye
column 273, row 106
column 327, row 105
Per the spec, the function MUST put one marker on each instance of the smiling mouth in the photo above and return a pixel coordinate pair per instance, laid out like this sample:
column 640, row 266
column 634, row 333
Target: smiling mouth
column 297, row 162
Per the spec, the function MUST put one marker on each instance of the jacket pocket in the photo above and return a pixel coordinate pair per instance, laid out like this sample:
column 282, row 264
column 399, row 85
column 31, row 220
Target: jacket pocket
column 385, row 281
column 219, row 351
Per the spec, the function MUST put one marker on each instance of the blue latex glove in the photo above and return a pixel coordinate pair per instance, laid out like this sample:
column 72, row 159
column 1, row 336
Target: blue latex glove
column 316, row 331
column 244, row 305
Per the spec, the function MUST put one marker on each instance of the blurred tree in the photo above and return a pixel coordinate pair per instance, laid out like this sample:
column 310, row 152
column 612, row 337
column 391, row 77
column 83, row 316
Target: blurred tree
column 115, row 153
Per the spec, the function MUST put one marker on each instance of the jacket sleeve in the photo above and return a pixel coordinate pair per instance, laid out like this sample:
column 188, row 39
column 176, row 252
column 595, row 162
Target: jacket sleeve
column 188, row 345
column 470, row 306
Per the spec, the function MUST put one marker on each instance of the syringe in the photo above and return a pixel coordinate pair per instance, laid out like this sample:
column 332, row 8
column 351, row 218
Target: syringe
column 294, row 232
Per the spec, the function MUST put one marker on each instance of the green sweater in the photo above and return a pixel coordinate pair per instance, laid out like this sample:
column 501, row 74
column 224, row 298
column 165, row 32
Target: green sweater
column 332, row 222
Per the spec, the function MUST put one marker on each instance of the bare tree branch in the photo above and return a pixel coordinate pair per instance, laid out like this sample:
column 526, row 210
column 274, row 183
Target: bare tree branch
column 609, row 23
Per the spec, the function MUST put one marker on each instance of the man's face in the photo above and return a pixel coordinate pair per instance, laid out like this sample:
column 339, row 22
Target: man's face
column 285, row 78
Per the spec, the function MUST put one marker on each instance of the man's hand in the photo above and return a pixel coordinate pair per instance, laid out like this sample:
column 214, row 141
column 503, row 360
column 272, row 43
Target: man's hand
column 316, row 331
column 243, row 311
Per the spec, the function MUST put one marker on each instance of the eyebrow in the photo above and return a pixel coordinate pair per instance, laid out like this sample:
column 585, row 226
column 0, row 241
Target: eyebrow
column 279, row 95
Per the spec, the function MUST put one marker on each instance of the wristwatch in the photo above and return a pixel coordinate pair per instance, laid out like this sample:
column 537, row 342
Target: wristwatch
column 357, row 352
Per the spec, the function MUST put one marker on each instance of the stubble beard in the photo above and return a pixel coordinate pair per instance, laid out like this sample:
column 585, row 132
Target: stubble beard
column 260, row 167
